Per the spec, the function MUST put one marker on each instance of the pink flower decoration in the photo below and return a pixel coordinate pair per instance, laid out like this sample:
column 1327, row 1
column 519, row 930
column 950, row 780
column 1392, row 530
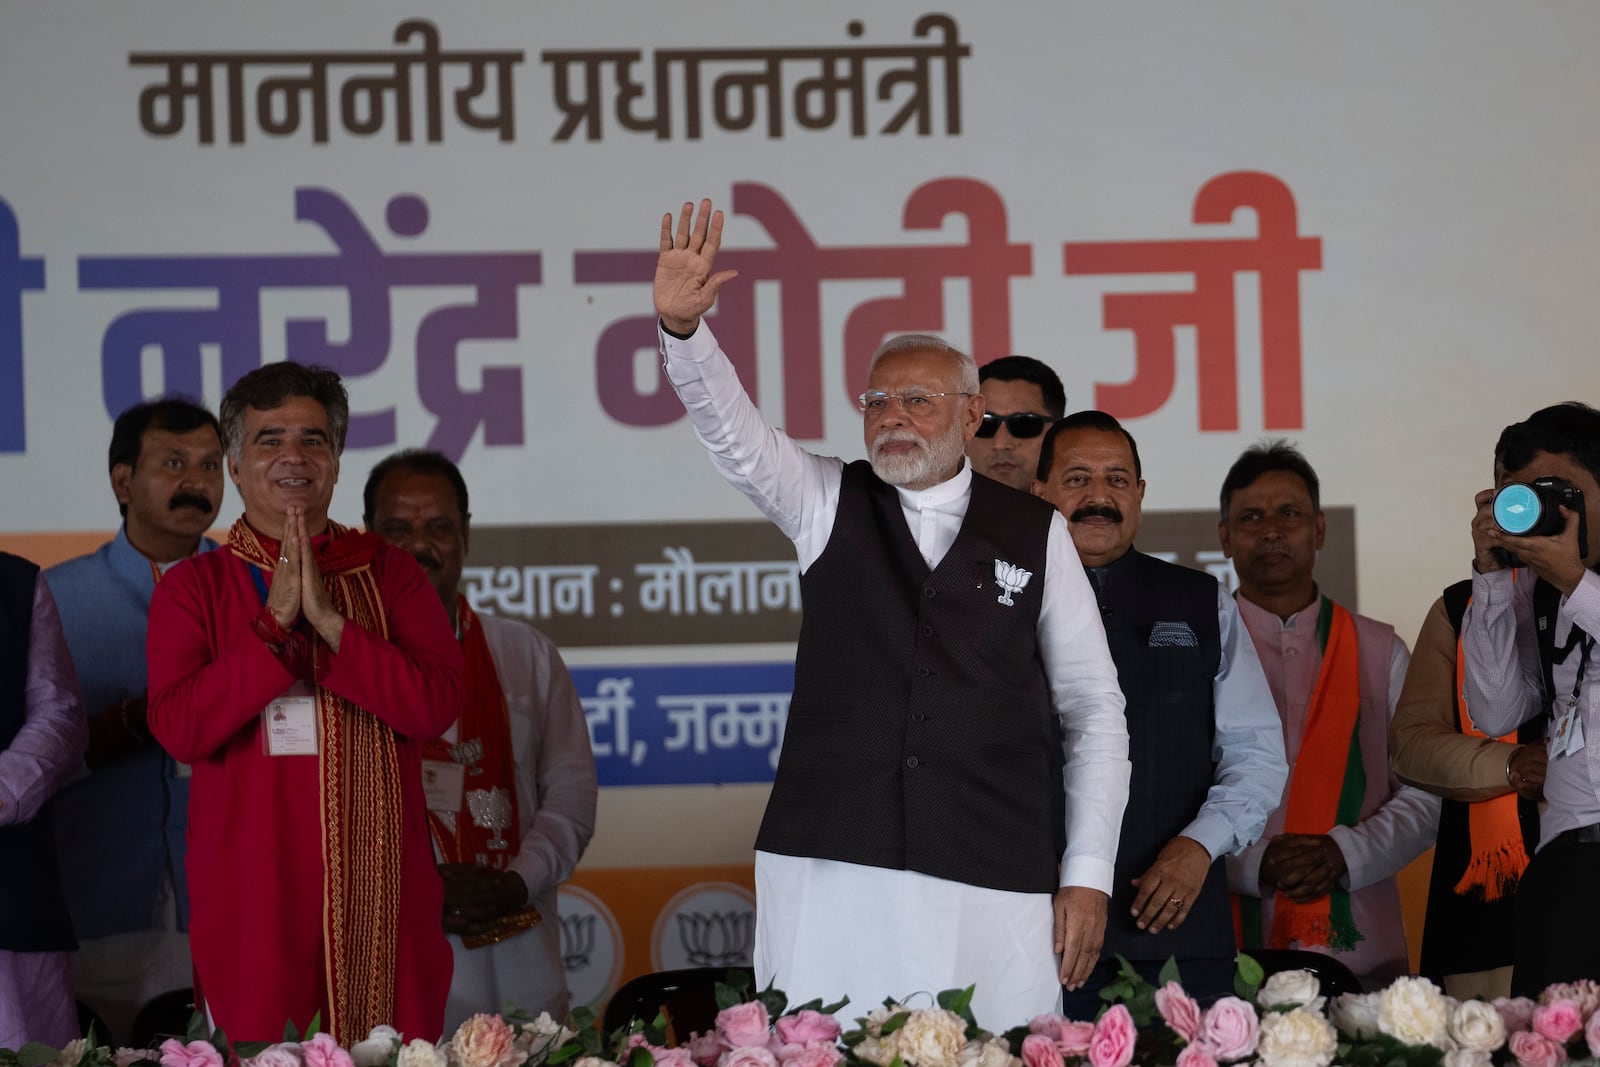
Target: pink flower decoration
column 1178, row 1010
column 1536, row 1050
column 749, row 1056
column 1114, row 1035
column 324, row 1051
column 1075, row 1038
column 806, row 1027
column 481, row 1041
column 1229, row 1029
column 276, row 1056
column 744, row 1025
column 706, row 1048
column 672, row 1057
column 1516, row 1012
column 1040, row 1050
column 1195, row 1055
column 1559, row 1020
column 820, row 1053
column 175, row 1053
column 1591, row 1034
column 1049, row 1025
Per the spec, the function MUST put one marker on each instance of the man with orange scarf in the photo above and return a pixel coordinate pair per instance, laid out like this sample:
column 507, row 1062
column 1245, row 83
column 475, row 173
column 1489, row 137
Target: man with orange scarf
column 1322, row 877
column 298, row 671
column 512, row 786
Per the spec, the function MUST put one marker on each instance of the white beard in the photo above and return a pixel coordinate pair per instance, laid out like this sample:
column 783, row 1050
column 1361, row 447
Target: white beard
column 923, row 467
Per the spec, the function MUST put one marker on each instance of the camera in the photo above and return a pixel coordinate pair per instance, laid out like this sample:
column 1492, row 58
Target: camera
column 1533, row 509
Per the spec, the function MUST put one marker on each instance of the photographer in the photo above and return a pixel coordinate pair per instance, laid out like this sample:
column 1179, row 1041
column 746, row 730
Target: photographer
column 1528, row 646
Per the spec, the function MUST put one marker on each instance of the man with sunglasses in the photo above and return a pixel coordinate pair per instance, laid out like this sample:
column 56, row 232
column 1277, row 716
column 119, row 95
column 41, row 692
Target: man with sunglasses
column 1021, row 398
column 908, row 842
column 1203, row 733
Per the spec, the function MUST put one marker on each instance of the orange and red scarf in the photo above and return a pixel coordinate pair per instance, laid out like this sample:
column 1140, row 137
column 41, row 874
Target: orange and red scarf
column 360, row 797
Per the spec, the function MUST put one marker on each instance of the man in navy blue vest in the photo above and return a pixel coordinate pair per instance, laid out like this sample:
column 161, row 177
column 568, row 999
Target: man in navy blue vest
column 909, row 842
column 121, row 829
column 1203, row 734
column 1528, row 641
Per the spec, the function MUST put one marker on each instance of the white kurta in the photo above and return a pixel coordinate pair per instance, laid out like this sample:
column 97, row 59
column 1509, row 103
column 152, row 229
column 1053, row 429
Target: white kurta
column 829, row 929
column 556, row 792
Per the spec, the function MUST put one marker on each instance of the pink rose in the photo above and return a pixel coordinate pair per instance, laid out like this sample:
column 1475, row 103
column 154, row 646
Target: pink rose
column 1178, row 1010
column 706, row 1048
column 324, row 1051
column 276, row 1056
column 749, row 1056
column 1040, row 1050
column 1075, row 1038
column 1229, row 1029
column 819, row 1053
column 1559, row 1020
column 808, row 1026
column 744, row 1025
column 1114, row 1035
column 175, row 1053
column 481, row 1041
column 1591, row 1034
column 672, row 1057
column 1516, row 1012
column 1049, row 1025
column 1195, row 1055
column 1536, row 1050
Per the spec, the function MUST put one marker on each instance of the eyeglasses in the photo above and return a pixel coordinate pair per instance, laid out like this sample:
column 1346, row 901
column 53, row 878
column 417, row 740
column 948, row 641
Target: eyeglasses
column 876, row 402
column 1021, row 424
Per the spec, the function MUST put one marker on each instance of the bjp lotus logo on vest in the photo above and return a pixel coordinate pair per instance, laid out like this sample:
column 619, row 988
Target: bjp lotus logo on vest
column 1012, row 579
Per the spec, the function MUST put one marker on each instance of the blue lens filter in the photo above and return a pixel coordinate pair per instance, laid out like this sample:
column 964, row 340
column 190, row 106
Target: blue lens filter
column 1517, row 508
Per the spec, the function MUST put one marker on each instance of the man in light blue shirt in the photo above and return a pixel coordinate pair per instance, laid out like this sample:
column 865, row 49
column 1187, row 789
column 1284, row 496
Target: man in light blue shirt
column 120, row 830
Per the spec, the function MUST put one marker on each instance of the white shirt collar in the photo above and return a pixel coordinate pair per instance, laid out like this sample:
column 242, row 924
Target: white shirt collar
column 945, row 493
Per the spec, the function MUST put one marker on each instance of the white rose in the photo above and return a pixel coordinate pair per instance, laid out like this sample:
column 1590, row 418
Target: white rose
column 879, row 1050
column 419, row 1053
column 1477, row 1027
column 991, row 1053
column 1291, row 988
column 1466, row 1057
column 374, row 1051
column 1355, row 1014
column 1413, row 1012
column 932, row 1037
column 1297, row 1038
column 70, row 1053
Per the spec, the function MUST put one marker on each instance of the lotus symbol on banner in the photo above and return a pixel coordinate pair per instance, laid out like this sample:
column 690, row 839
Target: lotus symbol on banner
column 577, row 941
column 1012, row 579
column 718, row 938
column 469, row 753
column 491, row 810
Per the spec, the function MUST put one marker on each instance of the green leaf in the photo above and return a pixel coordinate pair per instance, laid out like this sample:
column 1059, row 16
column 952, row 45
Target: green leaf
column 641, row 1057
column 219, row 1041
column 893, row 1023
column 774, row 1001
column 1169, row 972
column 246, row 1049
column 835, row 1008
column 197, row 1028
column 957, row 1000
column 34, row 1054
column 1251, row 971
column 313, row 1028
column 290, row 1033
column 728, row 996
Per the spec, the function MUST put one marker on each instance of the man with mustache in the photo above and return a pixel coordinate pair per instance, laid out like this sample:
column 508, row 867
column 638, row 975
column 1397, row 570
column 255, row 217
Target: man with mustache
column 120, row 830
column 1021, row 398
column 521, row 736
column 1203, row 736
column 299, row 670
column 1322, row 877
column 908, row 840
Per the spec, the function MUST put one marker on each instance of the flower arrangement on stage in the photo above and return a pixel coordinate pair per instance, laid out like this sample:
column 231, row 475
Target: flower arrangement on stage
column 1283, row 1021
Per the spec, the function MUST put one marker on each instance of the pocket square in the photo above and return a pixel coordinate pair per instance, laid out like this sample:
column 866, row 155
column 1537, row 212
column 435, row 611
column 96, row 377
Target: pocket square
column 1172, row 635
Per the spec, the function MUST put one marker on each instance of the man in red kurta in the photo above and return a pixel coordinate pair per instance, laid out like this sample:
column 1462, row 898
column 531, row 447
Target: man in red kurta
column 298, row 672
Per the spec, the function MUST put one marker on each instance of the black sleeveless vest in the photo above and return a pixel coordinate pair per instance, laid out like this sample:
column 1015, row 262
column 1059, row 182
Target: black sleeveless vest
column 1169, row 685
column 1465, row 933
column 33, row 913
column 918, row 732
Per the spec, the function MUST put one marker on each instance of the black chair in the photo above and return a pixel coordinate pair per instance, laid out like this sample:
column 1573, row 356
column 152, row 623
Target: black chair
column 1334, row 976
column 162, row 1017
column 688, row 998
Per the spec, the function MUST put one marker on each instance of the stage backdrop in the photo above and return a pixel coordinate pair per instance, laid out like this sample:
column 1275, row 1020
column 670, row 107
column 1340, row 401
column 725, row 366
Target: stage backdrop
column 1364, row 227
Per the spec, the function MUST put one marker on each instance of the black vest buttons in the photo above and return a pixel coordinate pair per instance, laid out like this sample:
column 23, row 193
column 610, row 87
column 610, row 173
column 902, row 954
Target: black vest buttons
column 911, row 761
column 923, row 672
column 927, row 631
column 929, row 591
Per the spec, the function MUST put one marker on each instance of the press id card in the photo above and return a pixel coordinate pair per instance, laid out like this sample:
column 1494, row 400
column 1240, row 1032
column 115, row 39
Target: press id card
column 444, row 782
column 289, row 723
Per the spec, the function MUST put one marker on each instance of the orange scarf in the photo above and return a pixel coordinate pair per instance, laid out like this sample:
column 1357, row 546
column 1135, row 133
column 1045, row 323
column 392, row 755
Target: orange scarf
column 360, row 794
column 1329, row 783
column 1499, row 855
column 491, row 836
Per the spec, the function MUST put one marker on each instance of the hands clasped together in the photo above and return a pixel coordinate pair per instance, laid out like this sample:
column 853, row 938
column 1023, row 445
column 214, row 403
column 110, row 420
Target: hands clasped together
column 297, row 588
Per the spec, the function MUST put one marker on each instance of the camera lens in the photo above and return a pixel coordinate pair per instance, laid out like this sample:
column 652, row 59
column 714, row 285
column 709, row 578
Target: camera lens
column 1518, row 509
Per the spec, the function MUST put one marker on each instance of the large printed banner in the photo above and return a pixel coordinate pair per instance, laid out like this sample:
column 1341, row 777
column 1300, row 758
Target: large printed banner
column 1364, row 227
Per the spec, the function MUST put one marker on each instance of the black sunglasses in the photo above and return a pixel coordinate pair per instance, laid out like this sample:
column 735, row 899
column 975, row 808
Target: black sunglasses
column 1021, row 424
